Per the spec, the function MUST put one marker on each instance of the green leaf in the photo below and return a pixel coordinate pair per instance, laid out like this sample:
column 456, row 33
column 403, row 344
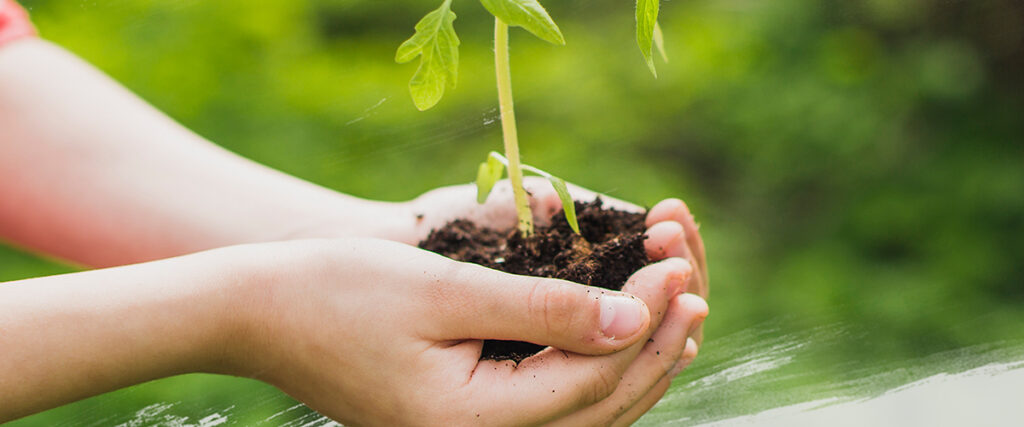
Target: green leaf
column 646, row 20
column 568, row 206
column 486, row 176
column 659, row 42
column 528, row 14
column 437, row 46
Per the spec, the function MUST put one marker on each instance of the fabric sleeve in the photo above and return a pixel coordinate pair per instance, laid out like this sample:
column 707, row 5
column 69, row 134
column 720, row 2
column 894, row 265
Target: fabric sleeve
column 14, row 22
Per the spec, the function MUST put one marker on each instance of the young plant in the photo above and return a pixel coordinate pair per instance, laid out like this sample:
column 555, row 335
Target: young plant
column 437, row 46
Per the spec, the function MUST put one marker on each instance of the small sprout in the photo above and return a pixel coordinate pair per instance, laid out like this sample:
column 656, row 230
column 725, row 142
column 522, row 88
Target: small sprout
column 490, row 172
column 487, row 175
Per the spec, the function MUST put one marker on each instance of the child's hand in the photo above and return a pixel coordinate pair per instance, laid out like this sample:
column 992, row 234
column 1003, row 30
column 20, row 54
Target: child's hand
column 374, row 332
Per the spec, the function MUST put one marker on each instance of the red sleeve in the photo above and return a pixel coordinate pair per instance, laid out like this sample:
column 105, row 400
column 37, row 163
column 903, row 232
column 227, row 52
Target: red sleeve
column 14, row 23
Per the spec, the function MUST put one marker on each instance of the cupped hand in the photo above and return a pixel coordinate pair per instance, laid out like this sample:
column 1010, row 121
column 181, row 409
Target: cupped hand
column 373, row 332
column 672, row 232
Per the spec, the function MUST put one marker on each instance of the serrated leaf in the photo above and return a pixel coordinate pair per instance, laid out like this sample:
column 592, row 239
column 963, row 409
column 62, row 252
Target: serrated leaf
column 486, row 176
column 568, row 206
column 437, row 45
column 646, row 20
column 528, row 14
column 659, row 42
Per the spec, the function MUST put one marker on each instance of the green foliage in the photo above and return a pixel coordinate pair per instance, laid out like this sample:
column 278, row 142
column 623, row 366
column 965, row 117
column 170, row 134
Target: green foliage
column 529, row 15
column 490, row 171
column 646, row 24
column 437, row 46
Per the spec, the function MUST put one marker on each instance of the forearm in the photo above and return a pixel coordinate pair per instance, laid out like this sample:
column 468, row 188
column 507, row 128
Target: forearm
column 67, row 337
column 91, row 173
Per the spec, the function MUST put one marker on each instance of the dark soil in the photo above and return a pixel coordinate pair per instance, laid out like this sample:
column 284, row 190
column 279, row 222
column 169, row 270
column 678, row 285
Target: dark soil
column 610, row 249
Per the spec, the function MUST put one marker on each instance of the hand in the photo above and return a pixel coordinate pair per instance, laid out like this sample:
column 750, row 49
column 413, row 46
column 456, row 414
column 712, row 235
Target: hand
column 672, row 232
column 374, row 332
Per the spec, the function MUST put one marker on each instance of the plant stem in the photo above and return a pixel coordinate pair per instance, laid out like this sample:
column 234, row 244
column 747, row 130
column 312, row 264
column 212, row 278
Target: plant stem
column 508, row 127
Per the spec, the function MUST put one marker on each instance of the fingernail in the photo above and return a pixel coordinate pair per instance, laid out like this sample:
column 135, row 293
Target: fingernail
column 621, row 316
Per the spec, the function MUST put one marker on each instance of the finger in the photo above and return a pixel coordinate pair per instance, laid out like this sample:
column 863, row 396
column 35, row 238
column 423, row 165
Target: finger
column 667, row 239
column 689, row 354
column 676, row 210
column 658, row 391
column 645, row 404
column 657, row 360
column 665, row 348
column 479, row 303
column 555, row 382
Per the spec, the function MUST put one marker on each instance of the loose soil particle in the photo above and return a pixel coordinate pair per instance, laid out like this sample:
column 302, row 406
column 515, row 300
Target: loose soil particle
column 609, row 250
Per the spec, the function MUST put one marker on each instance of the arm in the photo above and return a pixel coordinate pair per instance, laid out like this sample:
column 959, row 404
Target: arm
column 72, row 336
column 93, row 174
column 245, row 310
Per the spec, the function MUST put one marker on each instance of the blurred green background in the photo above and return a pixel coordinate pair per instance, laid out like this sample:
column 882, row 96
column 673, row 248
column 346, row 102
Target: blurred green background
column 853, row 162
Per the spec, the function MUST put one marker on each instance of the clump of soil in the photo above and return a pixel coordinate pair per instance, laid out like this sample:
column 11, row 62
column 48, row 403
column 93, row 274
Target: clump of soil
column 609, row 249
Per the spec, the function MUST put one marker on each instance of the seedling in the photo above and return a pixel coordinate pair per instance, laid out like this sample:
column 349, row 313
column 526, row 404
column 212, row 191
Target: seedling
column 437, row 45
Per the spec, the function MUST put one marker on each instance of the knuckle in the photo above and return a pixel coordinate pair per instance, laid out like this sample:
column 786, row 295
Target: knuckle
column 601, row 385
column 556, row 303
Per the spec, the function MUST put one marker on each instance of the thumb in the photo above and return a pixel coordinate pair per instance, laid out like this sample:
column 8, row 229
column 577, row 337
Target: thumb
column 551, row 312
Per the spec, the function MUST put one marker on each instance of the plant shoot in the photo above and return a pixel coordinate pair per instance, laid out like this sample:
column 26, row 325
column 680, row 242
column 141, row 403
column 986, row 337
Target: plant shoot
column 437, row 46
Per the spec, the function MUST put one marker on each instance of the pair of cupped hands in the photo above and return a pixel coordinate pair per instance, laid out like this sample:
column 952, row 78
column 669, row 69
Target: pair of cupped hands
column 377, row 332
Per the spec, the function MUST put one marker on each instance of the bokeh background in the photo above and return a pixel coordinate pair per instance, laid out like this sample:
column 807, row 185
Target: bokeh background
column 853, row 163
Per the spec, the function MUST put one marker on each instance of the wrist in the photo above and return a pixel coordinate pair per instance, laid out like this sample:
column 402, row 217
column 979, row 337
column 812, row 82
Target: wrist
column 265, row 304
column 207, row 308
column 351, row 217
column 241, row 292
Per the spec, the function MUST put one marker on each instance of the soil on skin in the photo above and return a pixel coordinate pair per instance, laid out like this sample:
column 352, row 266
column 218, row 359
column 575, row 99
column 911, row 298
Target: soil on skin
column 610, row 249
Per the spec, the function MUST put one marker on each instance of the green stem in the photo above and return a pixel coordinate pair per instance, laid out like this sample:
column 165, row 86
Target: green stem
column 508, row 127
